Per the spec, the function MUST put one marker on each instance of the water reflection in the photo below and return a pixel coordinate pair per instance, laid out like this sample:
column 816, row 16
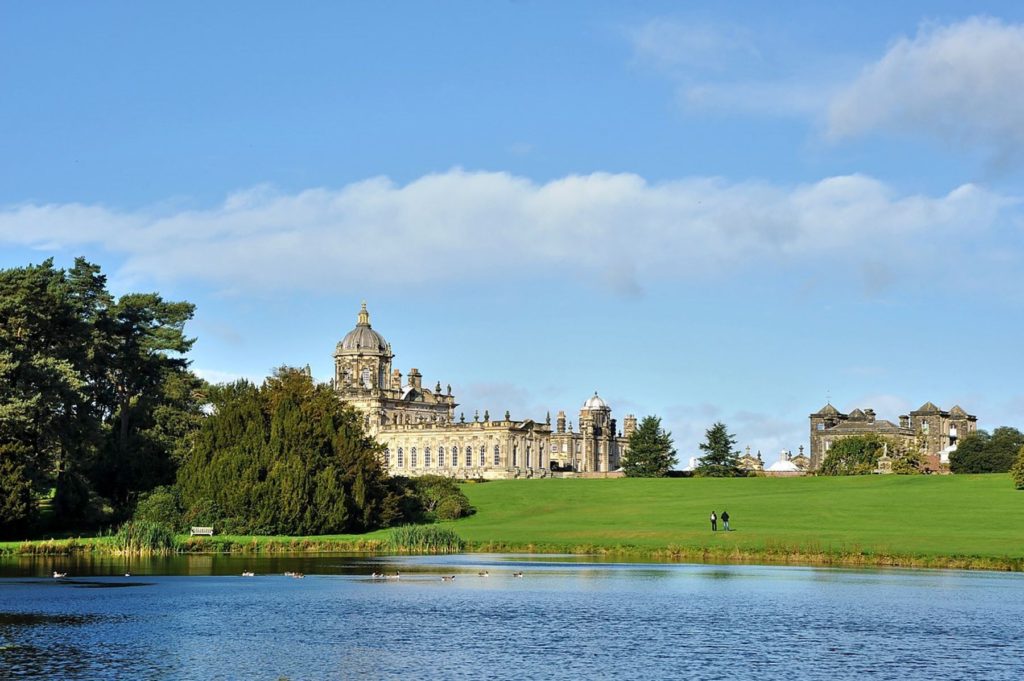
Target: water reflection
column 196, row 617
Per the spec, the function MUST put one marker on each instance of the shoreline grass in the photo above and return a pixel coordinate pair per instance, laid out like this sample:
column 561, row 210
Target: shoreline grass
column 959, row 522
column 795, row 556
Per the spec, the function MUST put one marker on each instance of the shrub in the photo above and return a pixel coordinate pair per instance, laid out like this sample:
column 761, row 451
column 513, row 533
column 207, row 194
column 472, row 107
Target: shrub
column 138, row 536
column 453, row 508
column 433, row 491
column 162, row 505
column 1017, row 472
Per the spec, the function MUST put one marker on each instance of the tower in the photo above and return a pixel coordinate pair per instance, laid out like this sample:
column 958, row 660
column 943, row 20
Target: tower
column 362, row 360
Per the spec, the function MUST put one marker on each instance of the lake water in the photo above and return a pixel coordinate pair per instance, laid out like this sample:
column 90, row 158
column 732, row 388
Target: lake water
column 198, row 618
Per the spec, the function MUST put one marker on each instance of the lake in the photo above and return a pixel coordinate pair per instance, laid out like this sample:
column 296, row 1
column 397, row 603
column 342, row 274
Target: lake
column 196, row 617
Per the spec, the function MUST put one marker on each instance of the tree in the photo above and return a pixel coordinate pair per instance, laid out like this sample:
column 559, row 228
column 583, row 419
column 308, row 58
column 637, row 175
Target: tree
column 1017, row 472
column 854, row 455
column 720, row 459
column 980, row 452
column 93, row 391
column 651, row 454
column 17, row 509
column 284, row 458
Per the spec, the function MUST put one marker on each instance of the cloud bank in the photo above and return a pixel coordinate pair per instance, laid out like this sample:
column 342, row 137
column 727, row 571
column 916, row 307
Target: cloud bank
column 615, row 229
column 962, row 83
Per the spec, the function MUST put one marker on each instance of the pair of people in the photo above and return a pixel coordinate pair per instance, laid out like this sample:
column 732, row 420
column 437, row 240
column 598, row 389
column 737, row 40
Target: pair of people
column 725, row 521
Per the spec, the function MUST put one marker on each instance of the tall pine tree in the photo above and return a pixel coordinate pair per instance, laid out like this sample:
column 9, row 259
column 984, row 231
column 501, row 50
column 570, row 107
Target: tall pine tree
column 720, row 459
column 650, row 454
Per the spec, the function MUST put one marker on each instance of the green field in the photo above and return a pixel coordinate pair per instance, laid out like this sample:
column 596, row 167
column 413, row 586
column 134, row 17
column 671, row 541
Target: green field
column 897, row 516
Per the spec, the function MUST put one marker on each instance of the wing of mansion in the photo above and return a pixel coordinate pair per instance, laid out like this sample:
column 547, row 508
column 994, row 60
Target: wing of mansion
column 420, row 434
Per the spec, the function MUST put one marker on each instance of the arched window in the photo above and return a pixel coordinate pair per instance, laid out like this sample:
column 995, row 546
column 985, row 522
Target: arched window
column 401, row 458
column 515, row 455
column 367, row 383
column 469, row 456
column 412, row 458
column 440, row 457
column 497, row 456
column 455, row 457
column 528, row 454
column 483, row 456
column 387, row 457
column 426, row 457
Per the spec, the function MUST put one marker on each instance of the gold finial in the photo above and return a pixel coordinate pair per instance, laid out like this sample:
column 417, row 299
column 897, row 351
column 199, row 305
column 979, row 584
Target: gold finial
column 364, row 316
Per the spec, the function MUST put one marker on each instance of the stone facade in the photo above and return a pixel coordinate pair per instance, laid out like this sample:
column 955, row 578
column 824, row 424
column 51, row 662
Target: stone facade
column 420, row 434
column 933, row 430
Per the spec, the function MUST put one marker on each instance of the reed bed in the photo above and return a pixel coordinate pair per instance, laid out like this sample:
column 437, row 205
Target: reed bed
column 429, row 539
column 144, row 538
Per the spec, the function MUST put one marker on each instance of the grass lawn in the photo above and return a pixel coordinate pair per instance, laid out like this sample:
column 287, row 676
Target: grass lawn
column 952, row 515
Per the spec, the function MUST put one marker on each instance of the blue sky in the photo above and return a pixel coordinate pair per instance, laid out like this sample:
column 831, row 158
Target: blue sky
column 705, row 211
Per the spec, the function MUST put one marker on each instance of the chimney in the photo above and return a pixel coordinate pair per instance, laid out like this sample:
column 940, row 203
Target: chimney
column 629, row 425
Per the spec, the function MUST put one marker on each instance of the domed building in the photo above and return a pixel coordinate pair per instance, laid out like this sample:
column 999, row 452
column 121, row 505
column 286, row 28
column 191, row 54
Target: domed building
column 421, row 435
column 785, row 467
column 597, row 447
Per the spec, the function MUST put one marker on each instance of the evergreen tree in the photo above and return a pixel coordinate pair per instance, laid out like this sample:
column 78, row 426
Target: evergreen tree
column 17, row 508
column 720, row 458
column 651, row 454
column 284, row 458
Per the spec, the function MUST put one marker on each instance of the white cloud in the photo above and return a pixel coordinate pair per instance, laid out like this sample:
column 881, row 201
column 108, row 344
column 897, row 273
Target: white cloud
column 614, row 229
column 963, row 83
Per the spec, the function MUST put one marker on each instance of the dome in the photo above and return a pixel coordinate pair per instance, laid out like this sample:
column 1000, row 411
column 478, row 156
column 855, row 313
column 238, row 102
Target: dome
column 783, row 466
column 595, row 402
column 363, row 338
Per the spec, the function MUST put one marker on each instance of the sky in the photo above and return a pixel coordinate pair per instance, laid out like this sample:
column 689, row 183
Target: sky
column 705, row 211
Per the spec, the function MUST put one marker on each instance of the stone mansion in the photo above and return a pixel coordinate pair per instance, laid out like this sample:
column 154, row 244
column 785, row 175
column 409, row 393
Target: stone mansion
column 420, row 434
column 934, row 430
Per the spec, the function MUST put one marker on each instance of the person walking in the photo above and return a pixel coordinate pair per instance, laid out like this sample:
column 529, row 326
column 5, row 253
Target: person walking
column 725, row 520
column 714, row 522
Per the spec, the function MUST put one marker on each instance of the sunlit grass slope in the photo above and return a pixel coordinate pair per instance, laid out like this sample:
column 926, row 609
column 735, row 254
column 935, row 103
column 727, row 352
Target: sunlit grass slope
column 965, row 515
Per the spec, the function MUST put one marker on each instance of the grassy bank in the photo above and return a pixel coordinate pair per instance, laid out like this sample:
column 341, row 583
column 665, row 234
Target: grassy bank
column 971, row 521
column 367, row 543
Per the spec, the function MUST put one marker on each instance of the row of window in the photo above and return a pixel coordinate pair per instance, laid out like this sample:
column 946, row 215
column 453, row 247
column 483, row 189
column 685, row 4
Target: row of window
column 442, row 457
column 468, row 456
